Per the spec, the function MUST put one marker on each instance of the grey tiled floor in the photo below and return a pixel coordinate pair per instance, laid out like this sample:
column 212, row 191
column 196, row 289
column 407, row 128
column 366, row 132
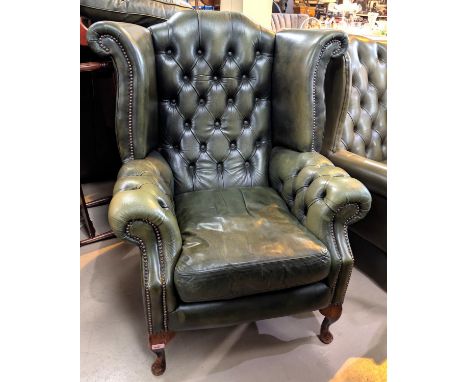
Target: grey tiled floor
column 114, row 342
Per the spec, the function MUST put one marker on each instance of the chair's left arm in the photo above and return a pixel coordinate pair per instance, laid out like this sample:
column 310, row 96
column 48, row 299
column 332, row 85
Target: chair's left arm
column 142, row 212
column 326, row 200
column 323, row 197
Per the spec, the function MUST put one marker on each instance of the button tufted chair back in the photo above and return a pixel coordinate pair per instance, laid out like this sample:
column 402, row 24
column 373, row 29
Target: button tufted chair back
column 213, row 75
column 365, row 126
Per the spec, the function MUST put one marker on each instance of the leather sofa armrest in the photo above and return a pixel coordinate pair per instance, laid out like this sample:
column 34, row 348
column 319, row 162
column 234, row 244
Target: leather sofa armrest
column 326, row 200
column 372, row 173
column 142, row 212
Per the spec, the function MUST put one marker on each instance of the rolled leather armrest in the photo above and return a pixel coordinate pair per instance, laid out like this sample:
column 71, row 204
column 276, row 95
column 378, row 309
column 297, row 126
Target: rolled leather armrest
column 326, row 200
column 372, row 173
column 142, row 212
column 143, row 191
column 313, row 187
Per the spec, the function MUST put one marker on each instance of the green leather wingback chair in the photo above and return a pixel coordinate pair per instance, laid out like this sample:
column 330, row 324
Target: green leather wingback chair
column 237, row 215
column 357, row 142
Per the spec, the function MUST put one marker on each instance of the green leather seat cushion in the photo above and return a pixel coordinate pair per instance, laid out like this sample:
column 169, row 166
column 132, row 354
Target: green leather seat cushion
column 243, row 241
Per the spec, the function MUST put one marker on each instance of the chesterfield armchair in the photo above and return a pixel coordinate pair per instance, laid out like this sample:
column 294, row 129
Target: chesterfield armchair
column 237, row 216
column 356, row 140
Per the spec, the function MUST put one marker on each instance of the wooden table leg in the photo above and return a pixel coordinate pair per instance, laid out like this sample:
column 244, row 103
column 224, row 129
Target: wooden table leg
column 85, row 215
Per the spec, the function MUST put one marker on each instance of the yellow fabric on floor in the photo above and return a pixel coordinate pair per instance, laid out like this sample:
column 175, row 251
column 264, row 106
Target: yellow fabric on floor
column 361, row 370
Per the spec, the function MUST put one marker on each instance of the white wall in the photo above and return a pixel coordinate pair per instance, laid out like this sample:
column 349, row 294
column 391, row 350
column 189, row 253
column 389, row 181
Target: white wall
column 257, row 10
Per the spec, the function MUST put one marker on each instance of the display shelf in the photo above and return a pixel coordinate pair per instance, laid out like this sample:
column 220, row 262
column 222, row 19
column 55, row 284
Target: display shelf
column 365, row 15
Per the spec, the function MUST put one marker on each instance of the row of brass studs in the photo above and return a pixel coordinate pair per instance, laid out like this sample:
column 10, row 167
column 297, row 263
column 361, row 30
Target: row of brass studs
column 144, row 257
column 314, row 82
column 162, row 263
column 345, row 227
column 130, row 87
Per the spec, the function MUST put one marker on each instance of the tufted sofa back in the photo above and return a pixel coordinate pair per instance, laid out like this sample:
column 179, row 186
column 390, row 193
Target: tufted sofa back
column 365, row 126
column 213, row 74
column 280, row 21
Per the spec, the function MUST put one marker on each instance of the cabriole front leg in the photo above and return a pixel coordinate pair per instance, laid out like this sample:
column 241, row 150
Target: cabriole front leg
column 332, row 313
column 158, row 343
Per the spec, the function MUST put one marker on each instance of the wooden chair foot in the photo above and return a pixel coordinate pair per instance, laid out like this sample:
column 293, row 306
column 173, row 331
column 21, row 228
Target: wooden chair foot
column 159, row 365
column 158, row 343
column 332, row 313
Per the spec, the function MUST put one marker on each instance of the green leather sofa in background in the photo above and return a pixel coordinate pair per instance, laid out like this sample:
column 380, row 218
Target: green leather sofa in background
column 140, row 12
column 237, row 216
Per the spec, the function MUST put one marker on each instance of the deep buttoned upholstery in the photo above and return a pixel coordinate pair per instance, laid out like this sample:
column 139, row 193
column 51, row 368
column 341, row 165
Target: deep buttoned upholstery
column 365, row 124
column 214, row 101
column 202, row 100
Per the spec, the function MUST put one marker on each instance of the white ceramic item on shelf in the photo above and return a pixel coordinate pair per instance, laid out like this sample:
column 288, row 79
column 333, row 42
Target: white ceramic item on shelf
column 372, row 18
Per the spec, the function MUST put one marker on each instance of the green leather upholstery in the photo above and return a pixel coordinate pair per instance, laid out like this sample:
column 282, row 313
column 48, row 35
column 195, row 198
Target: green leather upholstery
column 230, row 229
column 131, row 49
column 242, row 241
column 214, row 99
column 374, row 227
column 326, row 200
column 356, row 138
column 141, row 12
column 372, row 173
column 365, row 125
column 142, row 211
column 261, row 306
column 298, row 111
column 99, row 154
